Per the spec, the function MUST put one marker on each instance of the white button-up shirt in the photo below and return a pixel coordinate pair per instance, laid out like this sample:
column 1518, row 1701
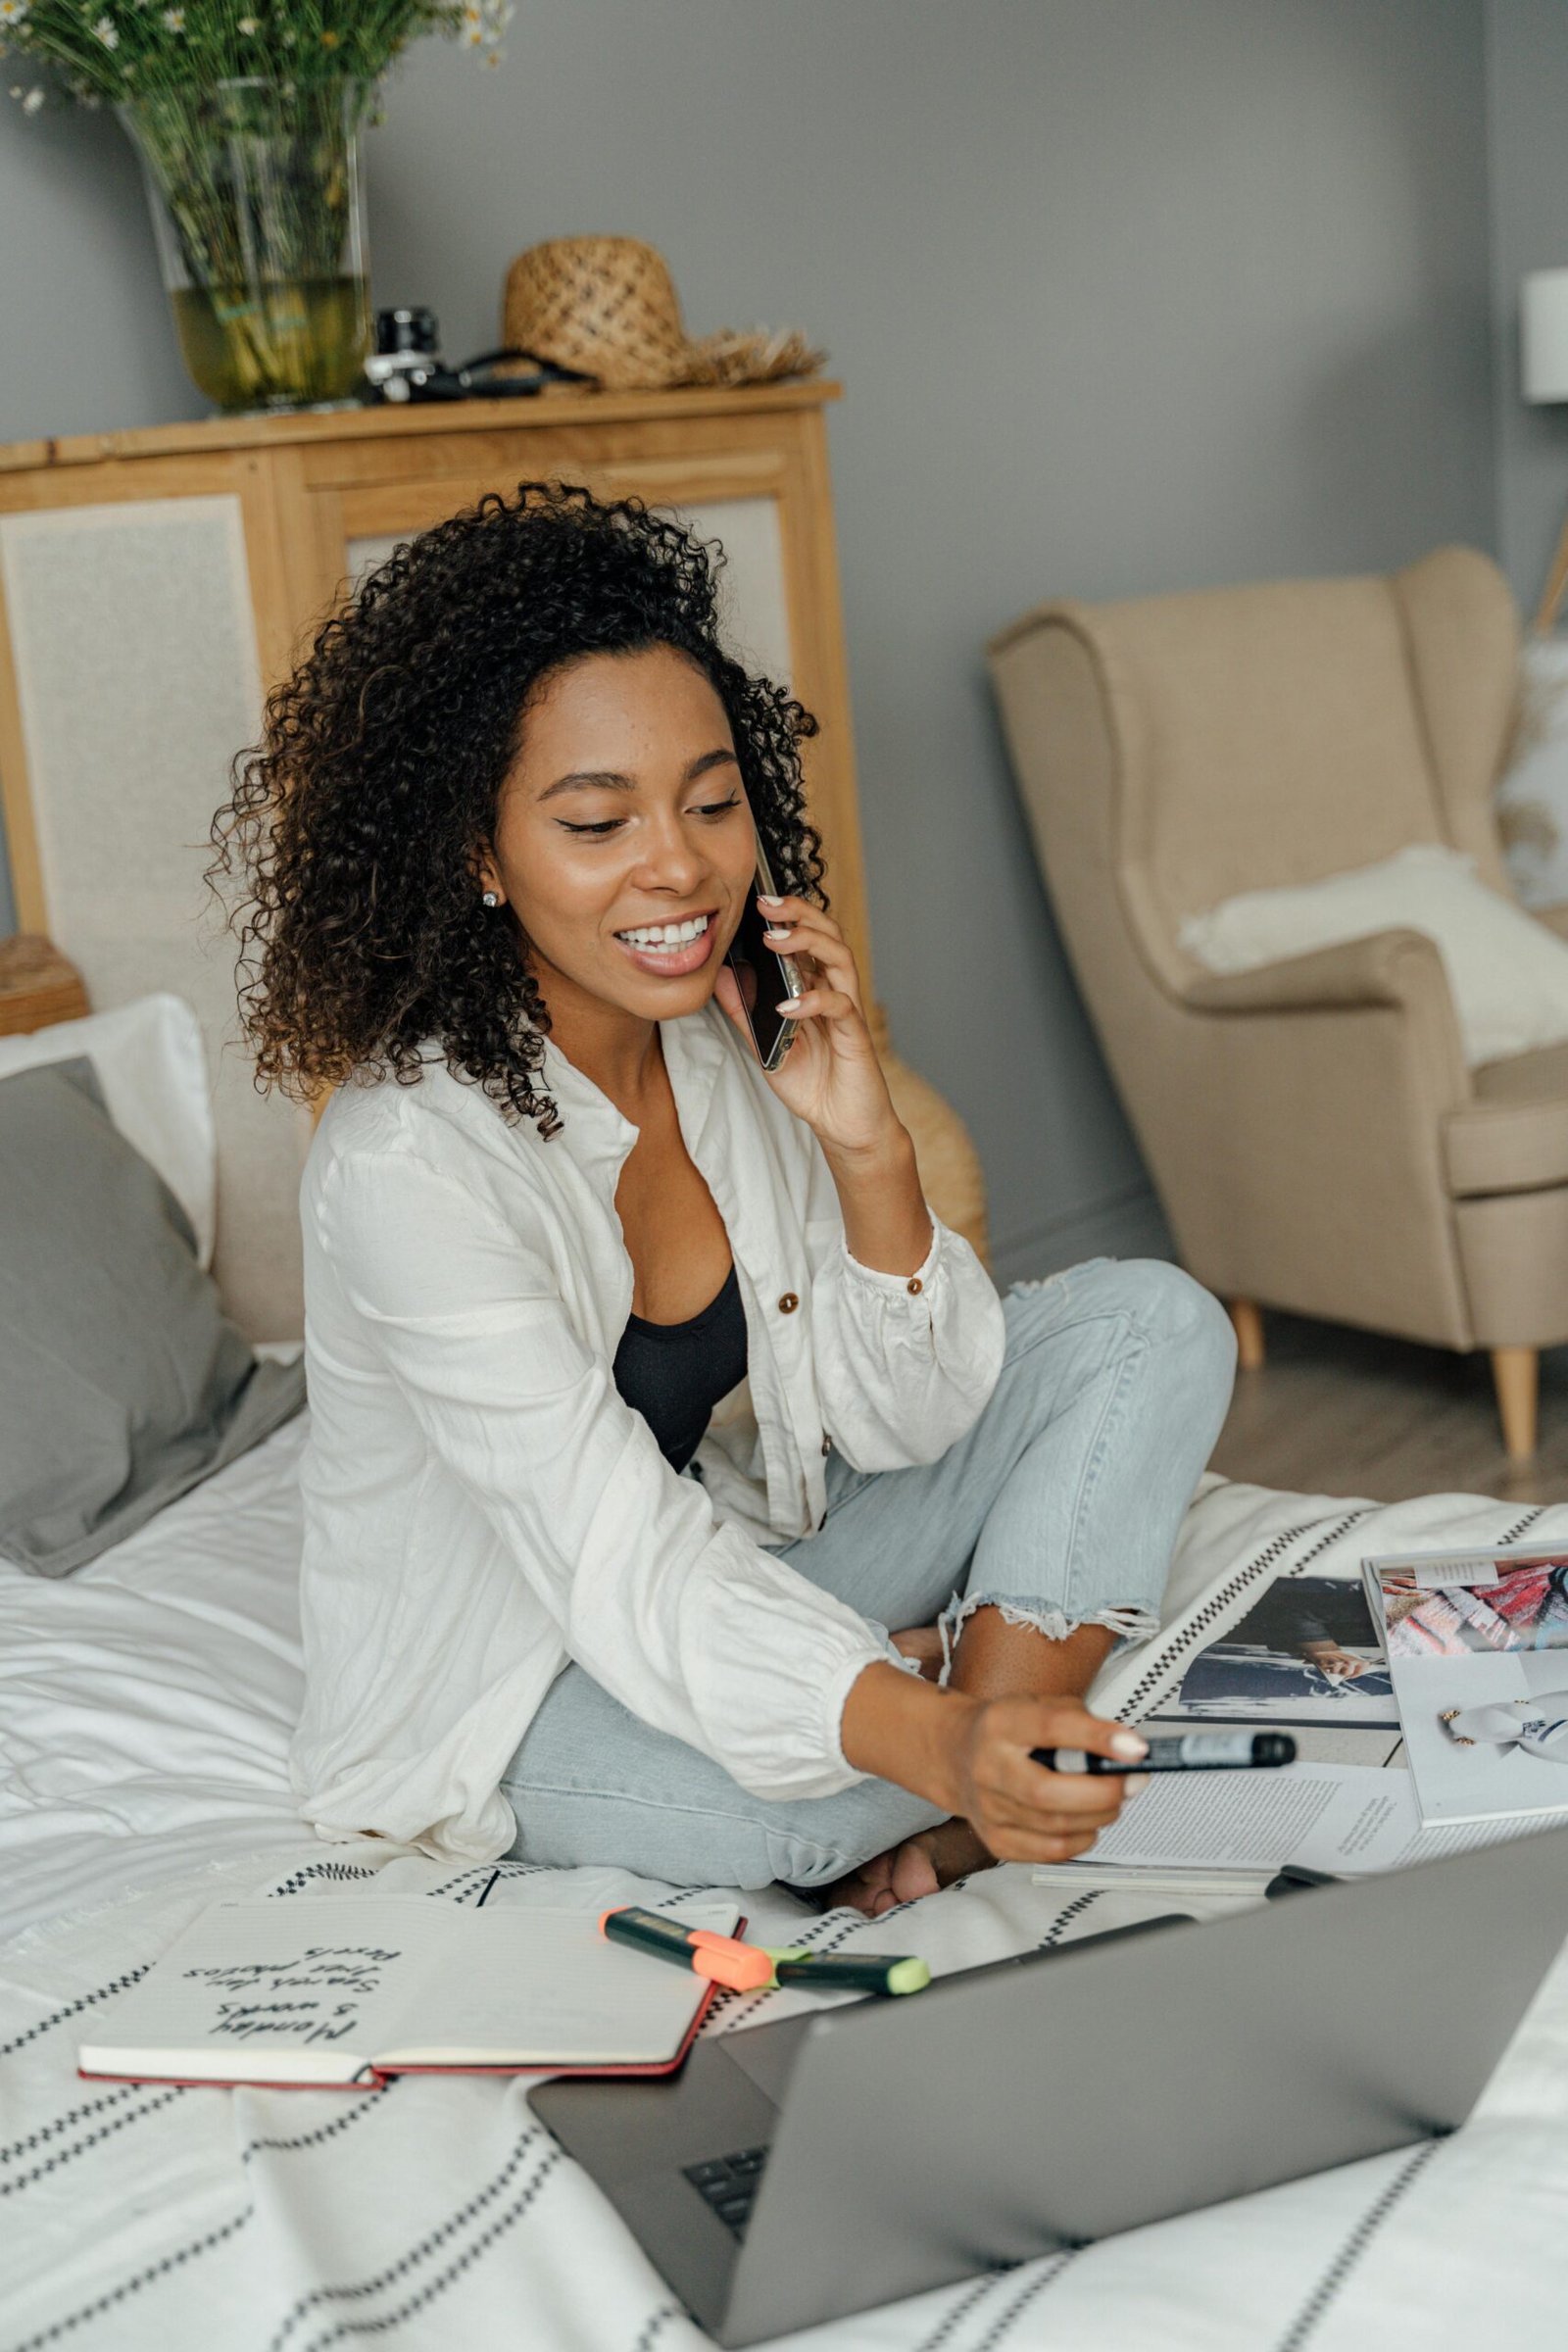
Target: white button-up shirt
column 482, row 1506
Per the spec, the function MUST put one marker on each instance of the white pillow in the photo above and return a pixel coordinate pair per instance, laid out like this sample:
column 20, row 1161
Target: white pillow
column 152, row 1065
column 1508, row 974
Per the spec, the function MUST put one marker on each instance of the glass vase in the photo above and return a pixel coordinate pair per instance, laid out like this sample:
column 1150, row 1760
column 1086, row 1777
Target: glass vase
column 258, row 205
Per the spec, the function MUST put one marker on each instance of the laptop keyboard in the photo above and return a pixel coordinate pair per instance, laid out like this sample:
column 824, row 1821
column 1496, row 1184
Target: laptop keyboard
column 728, row 2184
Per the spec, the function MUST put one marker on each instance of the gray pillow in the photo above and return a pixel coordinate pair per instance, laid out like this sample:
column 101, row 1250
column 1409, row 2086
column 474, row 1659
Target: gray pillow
column 122, row 1383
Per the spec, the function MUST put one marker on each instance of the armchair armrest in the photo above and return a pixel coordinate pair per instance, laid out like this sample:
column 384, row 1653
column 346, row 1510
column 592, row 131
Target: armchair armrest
column 1395, row 980
column 1313, row 1175
column 1555, row 919
column 1400, row 967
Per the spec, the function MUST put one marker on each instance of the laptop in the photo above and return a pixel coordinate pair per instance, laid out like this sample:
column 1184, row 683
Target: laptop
column 793, row 2173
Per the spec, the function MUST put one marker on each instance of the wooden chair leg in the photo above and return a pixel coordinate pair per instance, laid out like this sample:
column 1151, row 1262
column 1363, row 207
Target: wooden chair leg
column 1516, row 1373
column 1247, row 1318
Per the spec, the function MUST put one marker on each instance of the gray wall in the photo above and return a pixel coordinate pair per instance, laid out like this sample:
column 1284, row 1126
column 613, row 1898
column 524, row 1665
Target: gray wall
column 1127, row 295
column 1527, row 77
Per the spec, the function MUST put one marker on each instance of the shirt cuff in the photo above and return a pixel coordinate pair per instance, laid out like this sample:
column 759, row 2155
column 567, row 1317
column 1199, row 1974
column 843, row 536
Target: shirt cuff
column 909, row 1285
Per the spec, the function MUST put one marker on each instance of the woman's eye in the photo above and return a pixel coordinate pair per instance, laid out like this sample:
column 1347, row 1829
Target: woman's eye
column 613, row 824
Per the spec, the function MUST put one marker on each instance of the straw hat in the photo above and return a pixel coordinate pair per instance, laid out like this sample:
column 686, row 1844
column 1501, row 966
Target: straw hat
column 608, row 306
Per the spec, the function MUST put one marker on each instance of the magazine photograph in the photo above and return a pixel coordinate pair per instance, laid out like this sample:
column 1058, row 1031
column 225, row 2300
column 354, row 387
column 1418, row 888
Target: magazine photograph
column 1480, row 1674
column 1526, row 1608
column 1486, row 1733
column 1306, row 1652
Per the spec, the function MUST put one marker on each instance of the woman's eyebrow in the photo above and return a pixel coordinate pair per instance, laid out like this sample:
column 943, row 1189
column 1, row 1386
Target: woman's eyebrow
column 616, row 782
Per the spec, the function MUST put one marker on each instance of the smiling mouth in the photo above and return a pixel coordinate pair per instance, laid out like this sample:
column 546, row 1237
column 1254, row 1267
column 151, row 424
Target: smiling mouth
column 670, row 948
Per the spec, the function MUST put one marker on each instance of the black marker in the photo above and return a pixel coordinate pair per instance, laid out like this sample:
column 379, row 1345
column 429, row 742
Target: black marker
column 1190, row 1752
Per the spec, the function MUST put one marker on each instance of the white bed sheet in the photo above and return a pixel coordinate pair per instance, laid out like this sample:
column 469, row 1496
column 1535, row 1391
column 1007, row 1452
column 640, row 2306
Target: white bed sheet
column 146, row 1702
column 146, row 1705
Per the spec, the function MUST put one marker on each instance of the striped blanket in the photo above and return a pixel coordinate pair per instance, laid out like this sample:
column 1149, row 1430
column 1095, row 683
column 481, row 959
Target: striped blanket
column 439, row 2213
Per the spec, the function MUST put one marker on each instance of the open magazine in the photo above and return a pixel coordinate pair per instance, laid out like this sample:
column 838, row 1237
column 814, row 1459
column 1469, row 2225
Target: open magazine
column 1477, row 1645
column 1305, row 1653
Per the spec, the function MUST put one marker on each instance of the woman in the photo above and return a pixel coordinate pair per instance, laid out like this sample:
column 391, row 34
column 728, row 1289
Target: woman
column 645, row 1392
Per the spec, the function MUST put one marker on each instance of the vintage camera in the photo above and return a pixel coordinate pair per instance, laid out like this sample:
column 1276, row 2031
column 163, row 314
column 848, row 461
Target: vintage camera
column 407, row 357
column 407, row 365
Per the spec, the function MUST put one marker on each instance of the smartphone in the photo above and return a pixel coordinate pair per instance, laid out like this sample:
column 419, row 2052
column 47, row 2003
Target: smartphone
column 763, row 976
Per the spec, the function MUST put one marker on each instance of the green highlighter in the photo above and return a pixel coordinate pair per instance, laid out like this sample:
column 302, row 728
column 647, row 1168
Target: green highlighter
column 829, row 1973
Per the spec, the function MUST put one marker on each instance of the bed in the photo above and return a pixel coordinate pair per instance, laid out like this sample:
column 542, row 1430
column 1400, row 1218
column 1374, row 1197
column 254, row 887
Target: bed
column 146, row 1704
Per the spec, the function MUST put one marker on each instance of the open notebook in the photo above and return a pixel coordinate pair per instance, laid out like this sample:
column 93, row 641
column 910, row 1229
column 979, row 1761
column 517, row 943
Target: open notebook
column 343, row 1990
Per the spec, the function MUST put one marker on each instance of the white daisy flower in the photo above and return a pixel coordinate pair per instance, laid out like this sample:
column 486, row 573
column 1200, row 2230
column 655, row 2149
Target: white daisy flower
column 172, row 20
column 105, row 31
column 13, row 12
column 32, row 102
column 246, row 27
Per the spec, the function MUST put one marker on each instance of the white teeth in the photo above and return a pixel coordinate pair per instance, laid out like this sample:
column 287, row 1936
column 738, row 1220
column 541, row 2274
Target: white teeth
column 665, row 934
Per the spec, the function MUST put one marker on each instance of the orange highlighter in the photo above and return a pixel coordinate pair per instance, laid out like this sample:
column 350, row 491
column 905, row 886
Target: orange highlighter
column 742, row 1967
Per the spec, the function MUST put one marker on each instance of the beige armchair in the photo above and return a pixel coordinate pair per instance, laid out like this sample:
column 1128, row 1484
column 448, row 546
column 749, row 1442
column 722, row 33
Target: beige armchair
column 1314, row 1135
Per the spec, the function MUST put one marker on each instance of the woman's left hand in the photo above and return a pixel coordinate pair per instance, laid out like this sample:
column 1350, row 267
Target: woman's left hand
column 830, row 1077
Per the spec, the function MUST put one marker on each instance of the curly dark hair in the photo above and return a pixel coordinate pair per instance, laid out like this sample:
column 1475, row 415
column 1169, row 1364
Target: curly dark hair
column 348, row 848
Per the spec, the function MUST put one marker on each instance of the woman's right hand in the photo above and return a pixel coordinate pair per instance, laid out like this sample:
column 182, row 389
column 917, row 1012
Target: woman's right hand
column 971, row 1757
column 1020, row 1810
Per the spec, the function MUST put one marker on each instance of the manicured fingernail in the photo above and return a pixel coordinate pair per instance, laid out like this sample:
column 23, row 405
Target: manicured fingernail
column 778, row 930
column 763, row 900
column 1128, row 1744
column 1136, row 1783
column 793, row 1005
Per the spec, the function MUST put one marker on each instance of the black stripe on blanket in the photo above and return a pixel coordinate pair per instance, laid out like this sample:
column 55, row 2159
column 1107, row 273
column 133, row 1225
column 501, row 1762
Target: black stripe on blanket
column 1335, row 1533
column 1064, row 1918
column 324, row 2132
column 1304, row 2324
column 438, row 2286
column 1002, row 2324
column 962, row 2309
column 653, row 2326
column 63, row 2123
column 91, row 2139
column 325, row 1870
column 134, row 2285
column 485, row 1875
column 85, row 2000
column 422, row 2248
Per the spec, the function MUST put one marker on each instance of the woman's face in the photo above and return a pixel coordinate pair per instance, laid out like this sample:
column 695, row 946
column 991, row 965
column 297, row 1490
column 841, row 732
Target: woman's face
column 624, row 838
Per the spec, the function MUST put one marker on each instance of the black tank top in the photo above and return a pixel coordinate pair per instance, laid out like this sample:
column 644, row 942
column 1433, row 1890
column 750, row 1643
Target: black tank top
column 674, row 1373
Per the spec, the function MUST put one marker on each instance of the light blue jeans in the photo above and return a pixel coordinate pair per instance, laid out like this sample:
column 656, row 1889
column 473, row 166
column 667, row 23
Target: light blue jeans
column 1062, row 1507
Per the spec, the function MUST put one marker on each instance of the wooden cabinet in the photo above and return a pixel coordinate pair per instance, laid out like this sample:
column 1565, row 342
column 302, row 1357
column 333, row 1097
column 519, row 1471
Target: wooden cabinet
column 152, row 583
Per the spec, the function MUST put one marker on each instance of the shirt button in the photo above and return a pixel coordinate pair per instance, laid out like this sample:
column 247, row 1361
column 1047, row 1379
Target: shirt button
column 788, row 1303
column 915, row 1286
column 827, row 1445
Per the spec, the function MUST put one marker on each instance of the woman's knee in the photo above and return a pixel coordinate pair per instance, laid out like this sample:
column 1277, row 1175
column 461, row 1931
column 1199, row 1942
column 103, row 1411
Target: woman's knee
column 1143, row 1303
column 1153, row 1299
column 1178, row 1312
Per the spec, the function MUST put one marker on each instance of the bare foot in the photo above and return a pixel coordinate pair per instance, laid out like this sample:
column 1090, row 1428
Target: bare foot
column 923, row 1642
column 931, row 1859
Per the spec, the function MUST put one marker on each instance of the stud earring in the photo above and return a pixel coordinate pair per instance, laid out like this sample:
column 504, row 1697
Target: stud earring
column 491, row 899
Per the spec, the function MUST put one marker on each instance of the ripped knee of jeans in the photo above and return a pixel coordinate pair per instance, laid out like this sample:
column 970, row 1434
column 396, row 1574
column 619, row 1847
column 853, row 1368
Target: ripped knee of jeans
column 1128, row 1621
